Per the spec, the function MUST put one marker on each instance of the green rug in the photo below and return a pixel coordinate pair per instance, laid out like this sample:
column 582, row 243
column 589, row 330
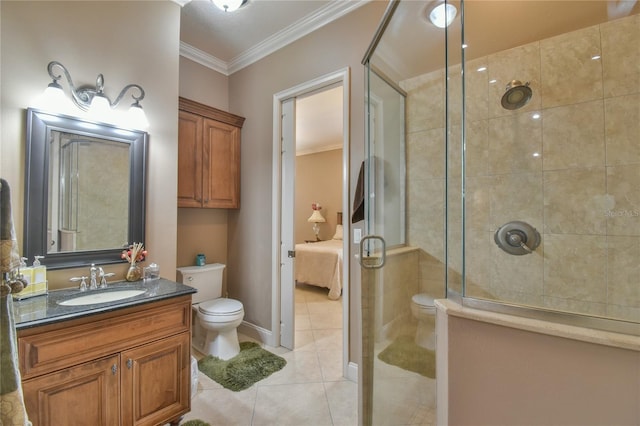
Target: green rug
column 251, row 365
column 404, row 353
column 195, row 423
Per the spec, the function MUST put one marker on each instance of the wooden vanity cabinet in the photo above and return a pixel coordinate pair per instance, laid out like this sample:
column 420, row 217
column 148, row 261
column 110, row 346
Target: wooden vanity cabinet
column 124, row 367
column 208, row 156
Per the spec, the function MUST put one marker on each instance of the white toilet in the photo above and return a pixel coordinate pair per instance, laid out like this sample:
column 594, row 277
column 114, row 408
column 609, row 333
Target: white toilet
column 424, row 310
column 217, row 318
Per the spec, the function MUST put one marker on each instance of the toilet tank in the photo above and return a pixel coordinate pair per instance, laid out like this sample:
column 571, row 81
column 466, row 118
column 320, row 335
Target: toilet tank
column 206, row 279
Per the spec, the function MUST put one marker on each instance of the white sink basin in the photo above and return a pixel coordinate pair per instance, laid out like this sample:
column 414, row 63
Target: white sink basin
column 108, row 296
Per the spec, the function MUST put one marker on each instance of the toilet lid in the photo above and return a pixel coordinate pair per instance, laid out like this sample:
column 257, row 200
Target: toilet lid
column 423, row 299
column 220, row 306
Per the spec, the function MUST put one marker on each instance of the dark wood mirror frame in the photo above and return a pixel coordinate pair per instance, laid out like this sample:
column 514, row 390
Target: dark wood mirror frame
column 40, row 124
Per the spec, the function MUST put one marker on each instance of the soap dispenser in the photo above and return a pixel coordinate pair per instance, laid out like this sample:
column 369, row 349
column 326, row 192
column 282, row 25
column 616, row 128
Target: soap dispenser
column 39, row 277
column 26, row 273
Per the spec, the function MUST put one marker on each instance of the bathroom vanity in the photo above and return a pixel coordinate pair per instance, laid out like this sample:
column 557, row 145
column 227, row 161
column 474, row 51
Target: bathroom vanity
column 122, row 362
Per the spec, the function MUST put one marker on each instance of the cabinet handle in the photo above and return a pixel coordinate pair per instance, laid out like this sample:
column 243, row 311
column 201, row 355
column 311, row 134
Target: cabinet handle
column 129, row 363
column 114, row 369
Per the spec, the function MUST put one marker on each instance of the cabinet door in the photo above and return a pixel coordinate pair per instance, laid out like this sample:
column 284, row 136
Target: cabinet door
column 221, row 158
column 189, row 160
column 156, row 381
column 86, row 394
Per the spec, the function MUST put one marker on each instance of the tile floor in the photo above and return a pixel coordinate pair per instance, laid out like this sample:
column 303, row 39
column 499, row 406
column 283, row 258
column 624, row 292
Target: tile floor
column 401, row 397
column 308, row 391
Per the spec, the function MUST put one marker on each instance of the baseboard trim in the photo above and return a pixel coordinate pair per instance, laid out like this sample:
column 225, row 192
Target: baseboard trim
column 352, row 372
column 258, row 333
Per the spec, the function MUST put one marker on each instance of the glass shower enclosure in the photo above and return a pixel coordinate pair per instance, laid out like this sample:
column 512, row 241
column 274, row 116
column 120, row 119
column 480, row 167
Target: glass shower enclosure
column 503, row 161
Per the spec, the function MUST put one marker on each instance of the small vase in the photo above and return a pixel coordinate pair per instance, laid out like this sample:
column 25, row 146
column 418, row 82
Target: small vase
column 134, row 273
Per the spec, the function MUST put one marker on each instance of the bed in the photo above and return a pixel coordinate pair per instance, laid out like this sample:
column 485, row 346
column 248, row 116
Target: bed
column 320, row 263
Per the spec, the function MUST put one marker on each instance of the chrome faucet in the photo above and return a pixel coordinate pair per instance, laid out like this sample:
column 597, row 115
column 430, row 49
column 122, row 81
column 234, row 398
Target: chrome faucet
column 83, row 283
column 103, row 277
column 93, row 274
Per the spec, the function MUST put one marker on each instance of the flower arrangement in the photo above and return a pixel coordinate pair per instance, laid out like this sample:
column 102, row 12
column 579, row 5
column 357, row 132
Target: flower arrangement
column 135, row 253
column 316, row 206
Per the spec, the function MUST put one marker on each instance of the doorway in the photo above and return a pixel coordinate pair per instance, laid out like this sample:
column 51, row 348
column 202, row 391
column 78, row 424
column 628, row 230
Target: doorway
column 285, row 211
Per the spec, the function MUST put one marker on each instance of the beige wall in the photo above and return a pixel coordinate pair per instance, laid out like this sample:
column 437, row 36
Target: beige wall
column 318, row 179
column 203, row 230
column 204, row 85
column 335, row 46
column 522, row 377
column 91, row 38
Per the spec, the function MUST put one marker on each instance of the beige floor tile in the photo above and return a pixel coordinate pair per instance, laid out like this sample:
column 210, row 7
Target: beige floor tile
column 223, row 407
column 327, row 320
column 302, row 367
column 304, row 341
column 303, row 321
column 343, row 402
column 306, row 404
column 330, row 365
column 328, row 340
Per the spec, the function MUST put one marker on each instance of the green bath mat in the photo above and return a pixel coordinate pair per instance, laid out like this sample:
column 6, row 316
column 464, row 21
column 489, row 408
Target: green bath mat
column 251, row 365
column 195, row 423
column 404, row 353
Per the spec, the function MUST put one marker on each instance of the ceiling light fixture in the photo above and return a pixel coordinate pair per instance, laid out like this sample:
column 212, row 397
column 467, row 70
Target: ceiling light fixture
column 442, row 15
column 229, row 5
column 93, row 99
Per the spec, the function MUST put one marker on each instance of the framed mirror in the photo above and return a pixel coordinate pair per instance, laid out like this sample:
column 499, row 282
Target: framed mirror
column 84, row 190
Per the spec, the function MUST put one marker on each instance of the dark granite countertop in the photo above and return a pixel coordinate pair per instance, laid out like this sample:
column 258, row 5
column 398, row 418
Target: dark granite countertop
column 46, row 309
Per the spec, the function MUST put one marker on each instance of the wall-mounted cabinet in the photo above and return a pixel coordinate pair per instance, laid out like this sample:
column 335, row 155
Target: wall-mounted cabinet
column 208, row 156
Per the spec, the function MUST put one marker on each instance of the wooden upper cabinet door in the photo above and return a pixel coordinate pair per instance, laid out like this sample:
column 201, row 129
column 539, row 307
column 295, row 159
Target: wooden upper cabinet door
column 221, row 165
column 189, row 160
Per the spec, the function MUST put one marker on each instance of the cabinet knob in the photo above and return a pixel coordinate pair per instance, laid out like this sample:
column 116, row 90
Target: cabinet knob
column 129, row 363
column 114, row 369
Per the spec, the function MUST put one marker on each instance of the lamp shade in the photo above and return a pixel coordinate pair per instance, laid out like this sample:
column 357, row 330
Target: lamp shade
column 137, row 117
column 316, row 217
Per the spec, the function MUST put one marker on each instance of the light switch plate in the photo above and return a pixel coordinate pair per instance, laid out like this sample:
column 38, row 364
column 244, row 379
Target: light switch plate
column 357, row 235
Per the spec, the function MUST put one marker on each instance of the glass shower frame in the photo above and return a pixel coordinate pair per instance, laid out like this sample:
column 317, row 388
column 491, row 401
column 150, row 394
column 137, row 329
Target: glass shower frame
column 457, row 255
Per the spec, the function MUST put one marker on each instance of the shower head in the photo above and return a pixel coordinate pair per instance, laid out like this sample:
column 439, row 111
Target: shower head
column 517, row 95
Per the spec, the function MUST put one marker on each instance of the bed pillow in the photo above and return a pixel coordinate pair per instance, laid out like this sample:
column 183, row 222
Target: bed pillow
column 338, row 234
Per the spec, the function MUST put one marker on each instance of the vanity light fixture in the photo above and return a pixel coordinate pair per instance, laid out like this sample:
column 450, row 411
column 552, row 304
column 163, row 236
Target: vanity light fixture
column 229, row 5
column 93, row 100
column 443, row 15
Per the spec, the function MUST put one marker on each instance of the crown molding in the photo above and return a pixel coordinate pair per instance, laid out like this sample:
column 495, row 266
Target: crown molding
column 295, row 31
column 323, row 16
column 203, row 58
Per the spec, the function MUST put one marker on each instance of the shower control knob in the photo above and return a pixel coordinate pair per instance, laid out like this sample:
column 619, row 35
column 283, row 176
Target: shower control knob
column 517, row 238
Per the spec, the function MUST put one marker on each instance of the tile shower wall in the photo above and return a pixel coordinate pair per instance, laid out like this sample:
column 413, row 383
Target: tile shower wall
column 568, row 163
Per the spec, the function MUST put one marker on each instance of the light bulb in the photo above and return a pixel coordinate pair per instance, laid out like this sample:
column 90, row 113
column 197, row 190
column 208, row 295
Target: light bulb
column 442, row 15
column 228, row 5
column 100, row 109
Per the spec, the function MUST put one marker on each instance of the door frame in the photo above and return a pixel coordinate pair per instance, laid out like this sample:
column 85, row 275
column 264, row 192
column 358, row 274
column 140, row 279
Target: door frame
column 340, row 76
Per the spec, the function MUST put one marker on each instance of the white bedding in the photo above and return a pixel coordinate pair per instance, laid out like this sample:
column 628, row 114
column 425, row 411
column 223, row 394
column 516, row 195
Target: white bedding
column 320, row 264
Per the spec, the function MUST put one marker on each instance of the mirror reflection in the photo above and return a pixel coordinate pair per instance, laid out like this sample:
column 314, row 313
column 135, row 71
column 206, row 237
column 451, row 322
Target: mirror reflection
column 88, row 193
column 85, row 190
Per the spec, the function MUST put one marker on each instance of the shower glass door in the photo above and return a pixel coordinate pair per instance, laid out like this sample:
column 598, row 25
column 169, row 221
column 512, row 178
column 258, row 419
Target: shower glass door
column 405, row 184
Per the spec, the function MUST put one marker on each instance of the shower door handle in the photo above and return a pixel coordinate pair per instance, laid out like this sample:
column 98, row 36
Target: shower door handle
column 373, row 262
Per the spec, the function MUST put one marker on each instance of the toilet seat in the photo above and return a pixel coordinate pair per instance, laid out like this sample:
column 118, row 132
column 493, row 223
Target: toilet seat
column 423, row 300
column 221, row 307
